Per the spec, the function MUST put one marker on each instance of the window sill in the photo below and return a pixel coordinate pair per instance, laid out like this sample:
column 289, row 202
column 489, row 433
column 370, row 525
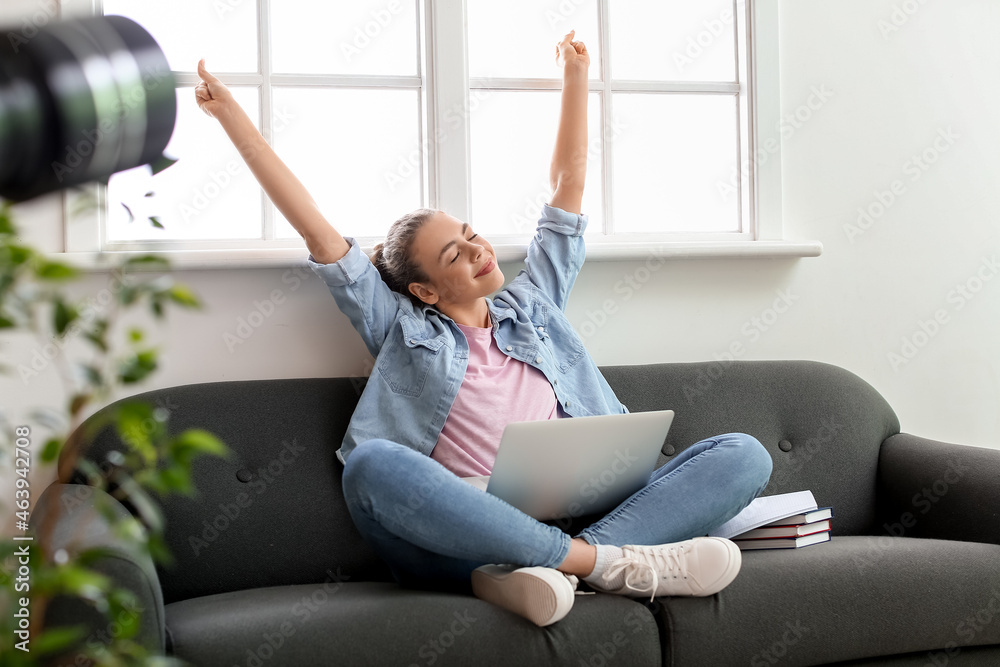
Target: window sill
column 596, row 252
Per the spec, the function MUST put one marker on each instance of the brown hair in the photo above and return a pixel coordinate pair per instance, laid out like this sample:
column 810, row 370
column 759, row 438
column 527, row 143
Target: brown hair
column 393, row 258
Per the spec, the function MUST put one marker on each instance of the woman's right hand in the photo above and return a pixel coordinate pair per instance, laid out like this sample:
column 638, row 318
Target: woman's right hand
column 211, row 94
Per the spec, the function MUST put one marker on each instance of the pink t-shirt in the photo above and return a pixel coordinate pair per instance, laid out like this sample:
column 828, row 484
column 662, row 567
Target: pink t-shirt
column 496, row 390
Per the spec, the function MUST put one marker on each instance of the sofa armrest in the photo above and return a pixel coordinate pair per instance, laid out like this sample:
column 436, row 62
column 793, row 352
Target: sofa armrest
column 938, row 490
column 81, row 526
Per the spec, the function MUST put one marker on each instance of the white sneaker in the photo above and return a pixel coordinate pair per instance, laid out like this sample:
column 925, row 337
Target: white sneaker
column 542, row 595
column 697, row 567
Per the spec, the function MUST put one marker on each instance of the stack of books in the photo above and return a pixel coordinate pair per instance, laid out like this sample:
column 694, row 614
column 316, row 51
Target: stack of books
column 783, row 521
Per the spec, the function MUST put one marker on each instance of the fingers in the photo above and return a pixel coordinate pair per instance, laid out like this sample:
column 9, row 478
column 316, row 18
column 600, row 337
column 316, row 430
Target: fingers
column 204, row 73
column 567, row 40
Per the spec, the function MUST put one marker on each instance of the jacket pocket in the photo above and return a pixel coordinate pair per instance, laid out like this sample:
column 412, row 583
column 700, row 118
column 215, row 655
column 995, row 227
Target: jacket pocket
column 558, row 334
column 406, row 357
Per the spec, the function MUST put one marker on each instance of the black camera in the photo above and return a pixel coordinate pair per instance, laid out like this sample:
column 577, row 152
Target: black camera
column 81, row 99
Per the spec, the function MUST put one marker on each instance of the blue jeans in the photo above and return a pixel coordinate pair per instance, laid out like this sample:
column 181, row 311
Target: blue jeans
column 430, row 526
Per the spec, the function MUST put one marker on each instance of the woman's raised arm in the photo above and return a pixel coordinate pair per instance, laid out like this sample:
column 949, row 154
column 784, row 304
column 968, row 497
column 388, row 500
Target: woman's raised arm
column 569, row 159
column 286, row 191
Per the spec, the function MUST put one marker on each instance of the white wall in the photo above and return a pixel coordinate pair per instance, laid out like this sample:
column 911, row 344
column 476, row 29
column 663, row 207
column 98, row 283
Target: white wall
column 853, row 306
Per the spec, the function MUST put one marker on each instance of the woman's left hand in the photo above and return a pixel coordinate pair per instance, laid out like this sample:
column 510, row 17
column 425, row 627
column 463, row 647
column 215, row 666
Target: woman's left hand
column 572, row 54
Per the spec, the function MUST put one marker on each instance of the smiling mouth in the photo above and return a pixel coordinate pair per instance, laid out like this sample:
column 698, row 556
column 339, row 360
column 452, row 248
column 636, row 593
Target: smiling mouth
column 489, row 266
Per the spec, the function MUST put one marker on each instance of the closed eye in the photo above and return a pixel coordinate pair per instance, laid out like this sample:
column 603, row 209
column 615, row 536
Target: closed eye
column 456, row 254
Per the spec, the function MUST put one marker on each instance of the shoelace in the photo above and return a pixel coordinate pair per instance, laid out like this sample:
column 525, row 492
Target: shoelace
column 575, row 581
column 647, row 563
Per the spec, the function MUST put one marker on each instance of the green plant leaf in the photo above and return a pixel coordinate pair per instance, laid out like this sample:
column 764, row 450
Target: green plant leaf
column 136, row 367
column 91, row 471
column 184, row 296
column 159, row 551
column 93, row 375
column 131, row 218
column 174, row 479
column 51, row 450
column 125, row 608
column 194, row 441
column 82, row 581
column 55, row 271
column 128, row 295
column 64, row 315
column 15, row 255
column 161, row 163
column 97, row 338
column 155, row 221
column 149, row 512
column 146, row 262
column 138, row 427
column 58, row 639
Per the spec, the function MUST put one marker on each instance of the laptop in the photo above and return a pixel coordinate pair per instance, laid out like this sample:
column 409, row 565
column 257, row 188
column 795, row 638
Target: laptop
column 569, row 467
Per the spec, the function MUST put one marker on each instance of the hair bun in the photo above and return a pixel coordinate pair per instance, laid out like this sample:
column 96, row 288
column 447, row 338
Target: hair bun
column 377, row 254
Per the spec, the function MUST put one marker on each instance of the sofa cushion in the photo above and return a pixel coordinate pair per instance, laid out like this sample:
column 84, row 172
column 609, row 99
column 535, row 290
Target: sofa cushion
column 371, row 623
column 847, row 599
column 822, row 425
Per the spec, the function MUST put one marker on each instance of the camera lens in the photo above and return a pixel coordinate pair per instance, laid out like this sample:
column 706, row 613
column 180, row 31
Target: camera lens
column 81, row 100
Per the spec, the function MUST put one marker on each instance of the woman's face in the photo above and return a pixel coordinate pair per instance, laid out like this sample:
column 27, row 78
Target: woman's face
column 461, row 265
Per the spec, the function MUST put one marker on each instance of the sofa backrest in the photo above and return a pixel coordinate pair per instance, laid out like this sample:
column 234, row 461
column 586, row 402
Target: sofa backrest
column 822, row 425
column 273, row 513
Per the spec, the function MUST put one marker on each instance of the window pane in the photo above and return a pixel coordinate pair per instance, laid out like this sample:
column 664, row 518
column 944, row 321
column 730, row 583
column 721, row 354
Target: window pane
column 224, row 33
column 668, row 162
column 209, row 193
column 694, row 40
column 357, row 152
column 518, row 38
column 360, row 37
column 513, row 135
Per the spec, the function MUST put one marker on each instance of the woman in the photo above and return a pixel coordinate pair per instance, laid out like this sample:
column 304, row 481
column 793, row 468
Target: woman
column 454, row 366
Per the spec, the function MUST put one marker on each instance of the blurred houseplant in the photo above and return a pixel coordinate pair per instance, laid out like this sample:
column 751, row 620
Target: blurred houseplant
column 33, row 300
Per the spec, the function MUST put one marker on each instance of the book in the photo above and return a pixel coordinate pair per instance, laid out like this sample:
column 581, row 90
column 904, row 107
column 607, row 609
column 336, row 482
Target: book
column 767, row 509
column 784, row 542
column 808, row 517
column 785, row 531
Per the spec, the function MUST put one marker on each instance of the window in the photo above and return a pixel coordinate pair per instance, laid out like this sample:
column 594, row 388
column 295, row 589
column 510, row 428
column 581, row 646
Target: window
column 384, row 106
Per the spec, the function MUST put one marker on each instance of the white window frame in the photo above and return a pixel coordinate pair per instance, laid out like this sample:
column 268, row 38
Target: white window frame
column 447, row 165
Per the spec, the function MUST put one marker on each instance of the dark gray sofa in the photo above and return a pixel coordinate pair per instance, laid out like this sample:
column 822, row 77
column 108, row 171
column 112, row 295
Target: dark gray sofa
column 271, row 571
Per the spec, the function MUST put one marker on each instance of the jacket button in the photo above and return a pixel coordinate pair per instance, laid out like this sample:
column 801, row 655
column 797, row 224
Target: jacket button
column 413, row 341
column 509, row 348
column 541, row 329
column 567, row 404
column 785, row 446
column 538, row 360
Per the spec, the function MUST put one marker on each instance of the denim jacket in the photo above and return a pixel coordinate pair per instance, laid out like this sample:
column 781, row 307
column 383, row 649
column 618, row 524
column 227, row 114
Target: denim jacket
column 421, row 355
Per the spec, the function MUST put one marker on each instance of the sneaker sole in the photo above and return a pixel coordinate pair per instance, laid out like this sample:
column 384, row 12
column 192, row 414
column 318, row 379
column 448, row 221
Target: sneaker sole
column 540, row 594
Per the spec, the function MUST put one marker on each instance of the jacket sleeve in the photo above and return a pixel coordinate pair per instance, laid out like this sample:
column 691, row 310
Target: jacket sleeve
column 556, row 253
column 362, row 295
